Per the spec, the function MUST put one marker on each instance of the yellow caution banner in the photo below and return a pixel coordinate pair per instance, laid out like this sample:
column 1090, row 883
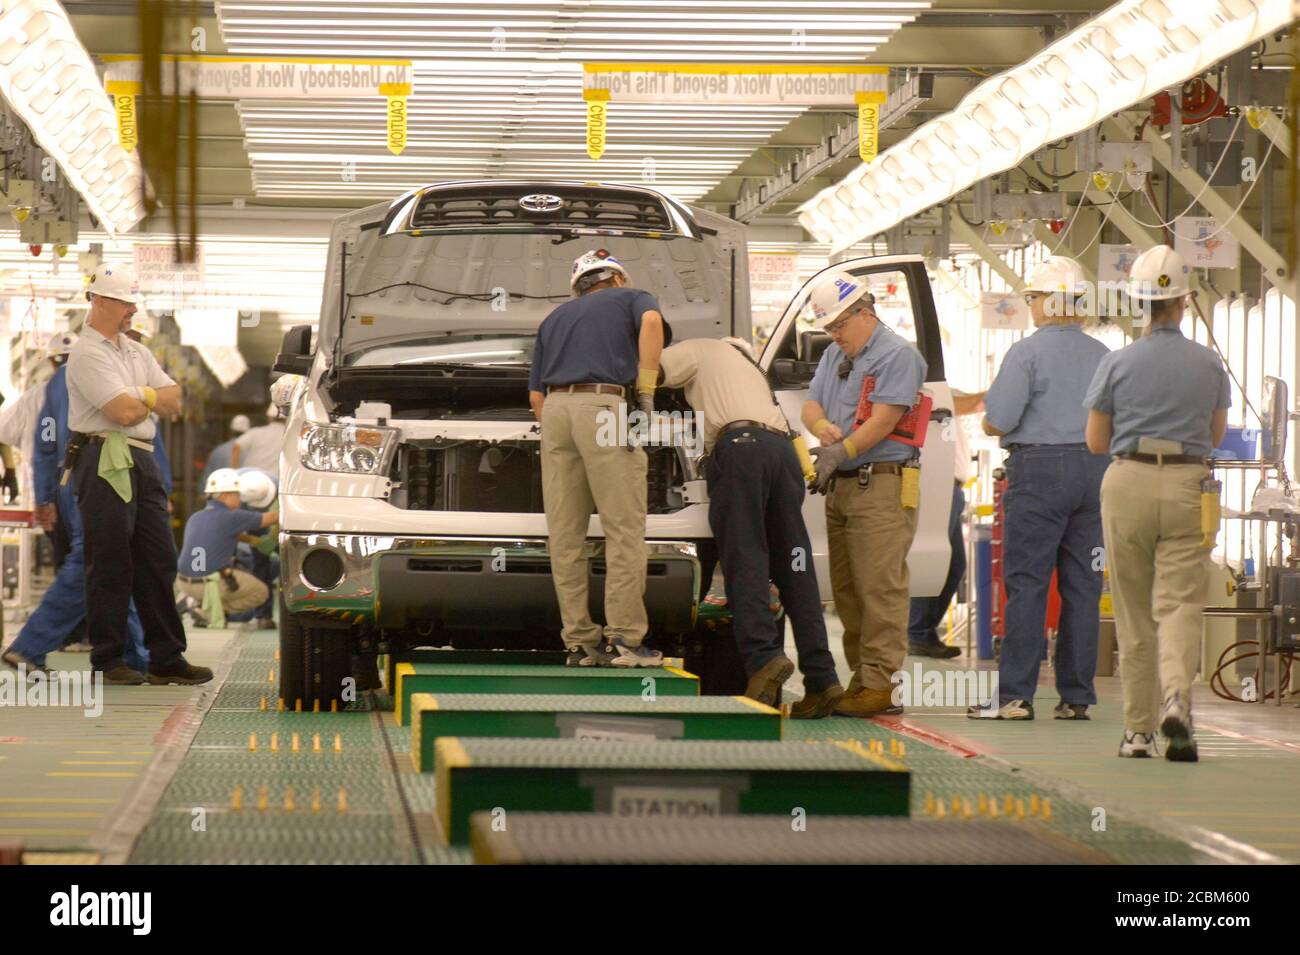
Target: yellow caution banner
column 869, row 104
column 124, row 105
column 597, row 113
column 397, row 116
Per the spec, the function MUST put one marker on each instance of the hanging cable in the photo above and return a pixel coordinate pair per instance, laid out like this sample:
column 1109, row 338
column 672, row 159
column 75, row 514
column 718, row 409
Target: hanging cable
column 1197, row 198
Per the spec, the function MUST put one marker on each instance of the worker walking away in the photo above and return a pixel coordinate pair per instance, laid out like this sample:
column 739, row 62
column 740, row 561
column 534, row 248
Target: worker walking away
column 61, row 614
column 587, row 352
column 1053, row 515
column 1159, row 406
column 260, row 447
column 206, row 567
column 858, row 397
column 114, row 386
column 756, row 492
column 926, row 613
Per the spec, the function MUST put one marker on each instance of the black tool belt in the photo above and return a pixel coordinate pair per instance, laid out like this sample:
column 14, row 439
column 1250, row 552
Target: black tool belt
column 745, row 423
column 872, row 467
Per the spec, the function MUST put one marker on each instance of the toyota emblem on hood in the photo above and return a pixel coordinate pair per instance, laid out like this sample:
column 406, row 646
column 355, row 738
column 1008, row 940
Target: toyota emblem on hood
column 540, row 202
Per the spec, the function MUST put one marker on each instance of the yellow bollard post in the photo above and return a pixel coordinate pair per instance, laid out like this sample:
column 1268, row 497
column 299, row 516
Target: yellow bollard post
column 293, row 743
column 252, row 742
column 939, row 811
column 1033, row 804
column 929, row 804
column 993, row 808
column 1008, row 804
column 263, row 706
column 315, row 742
column 270, row 675
column 334, row 706
column 1047, row 809
column 277, row 656
column 237, row 799
column 956, row 803
column 983, row 804
column 343, row 799
column 315, row 706
column 275, row 742
column 1020, row 809
column 279, row 707
column 288, row 800
column 315, row 799
column 297, row 705
column 261, row 799
column 902, row 750
column 338, row 742
column 967, row 811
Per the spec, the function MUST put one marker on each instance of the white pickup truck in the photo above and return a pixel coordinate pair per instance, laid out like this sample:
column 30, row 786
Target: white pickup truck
column 410, row 479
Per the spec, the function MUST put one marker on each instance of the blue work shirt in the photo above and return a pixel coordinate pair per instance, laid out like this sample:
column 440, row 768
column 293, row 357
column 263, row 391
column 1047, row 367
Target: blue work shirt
column 160, row 455
column 51, row 438
column 1037, row 395
column 899, row 370
column 1161, row 386
column 210, row 538
column 592, row 338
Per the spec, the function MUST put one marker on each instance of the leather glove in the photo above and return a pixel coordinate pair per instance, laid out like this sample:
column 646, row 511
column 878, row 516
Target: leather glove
column 646, row 380
column 829, row 460
column 645, row 400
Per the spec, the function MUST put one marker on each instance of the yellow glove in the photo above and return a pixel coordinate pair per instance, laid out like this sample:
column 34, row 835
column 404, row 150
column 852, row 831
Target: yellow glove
column 820, row 425
column 647, row 379
column 851, row 447
column 150, row 397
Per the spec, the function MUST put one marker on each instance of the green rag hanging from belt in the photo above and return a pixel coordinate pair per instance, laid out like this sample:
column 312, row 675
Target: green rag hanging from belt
column 115, row 464
column 211, row 607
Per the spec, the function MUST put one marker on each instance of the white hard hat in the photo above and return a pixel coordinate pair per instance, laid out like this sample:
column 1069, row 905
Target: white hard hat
column 1058, row 273
column 61, row 344
column 116, row 281
column 240, row 423
column 835, row 294
column 256, row 487
column 1158, row 274
column 222, row 481
column 745, row 347
column 594, row 261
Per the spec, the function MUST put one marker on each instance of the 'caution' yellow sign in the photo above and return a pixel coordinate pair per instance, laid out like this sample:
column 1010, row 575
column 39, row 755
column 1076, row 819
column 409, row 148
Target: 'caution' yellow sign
column 397, row 116
column 597, row 113
column 869, row 124
column 124, row 97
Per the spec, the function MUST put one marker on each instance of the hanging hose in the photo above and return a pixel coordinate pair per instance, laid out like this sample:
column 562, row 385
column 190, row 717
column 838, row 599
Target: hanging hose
column 1220, row 687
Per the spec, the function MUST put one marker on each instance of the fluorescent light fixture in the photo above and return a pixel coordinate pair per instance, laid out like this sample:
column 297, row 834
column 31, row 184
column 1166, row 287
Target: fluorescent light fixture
column 1129, row 52
column 47, row 78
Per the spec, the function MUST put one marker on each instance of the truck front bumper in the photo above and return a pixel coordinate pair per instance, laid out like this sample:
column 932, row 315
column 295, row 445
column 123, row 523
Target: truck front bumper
column 486, row 583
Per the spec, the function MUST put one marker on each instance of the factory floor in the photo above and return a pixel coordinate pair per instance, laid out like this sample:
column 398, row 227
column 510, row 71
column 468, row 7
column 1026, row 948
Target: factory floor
column 169, row 774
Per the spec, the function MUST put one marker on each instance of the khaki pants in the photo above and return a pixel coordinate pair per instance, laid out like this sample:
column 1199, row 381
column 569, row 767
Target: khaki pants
column 248, row 594
column 869, row 534
column 1151, row 519
column 583, row 467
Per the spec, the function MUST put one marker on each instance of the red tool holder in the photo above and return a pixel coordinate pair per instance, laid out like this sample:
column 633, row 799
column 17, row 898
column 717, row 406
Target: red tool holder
column 999, row 612
column 14, row 518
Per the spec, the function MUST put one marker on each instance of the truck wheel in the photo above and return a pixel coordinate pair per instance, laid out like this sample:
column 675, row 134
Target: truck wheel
column 328, row 664
column 292, row 657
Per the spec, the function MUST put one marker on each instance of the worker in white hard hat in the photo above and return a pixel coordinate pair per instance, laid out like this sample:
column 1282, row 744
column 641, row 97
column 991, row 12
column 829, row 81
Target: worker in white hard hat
column 857, row 400
column 1053, row 515
column 594, row 354
column 207, row 570
column 1159, row 406
column 260, row 447
column 114, row 386
column 756, row 488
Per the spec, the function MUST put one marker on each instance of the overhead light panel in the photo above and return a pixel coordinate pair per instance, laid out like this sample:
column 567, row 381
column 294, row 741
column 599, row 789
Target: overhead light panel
column 1131, row 51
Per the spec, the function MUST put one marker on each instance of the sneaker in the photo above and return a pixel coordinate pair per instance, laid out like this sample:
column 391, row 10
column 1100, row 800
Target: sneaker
column 1138, row 745
column 765, row 685
column 1013, row 710
column 1176, row 725
column 123, row 675
column 1071, row 711
column 816, row 706
column 615, row 653
column 20, row 662
column 179, row 673
column 939, row 651
column 580, row 655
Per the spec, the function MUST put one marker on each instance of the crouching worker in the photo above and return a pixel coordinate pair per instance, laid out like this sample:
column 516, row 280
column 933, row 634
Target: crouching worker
column 207, row 570
column 756, row 492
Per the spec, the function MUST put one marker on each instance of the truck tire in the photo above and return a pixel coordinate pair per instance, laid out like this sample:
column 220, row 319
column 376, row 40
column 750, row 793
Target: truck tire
column 314, row 663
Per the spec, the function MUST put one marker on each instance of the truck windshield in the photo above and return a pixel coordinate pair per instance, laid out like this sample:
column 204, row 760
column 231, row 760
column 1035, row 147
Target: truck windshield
column 507, row 348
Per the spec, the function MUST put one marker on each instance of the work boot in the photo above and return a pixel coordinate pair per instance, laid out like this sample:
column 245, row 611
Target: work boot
column 1071, row 711
column 17, row 661
column 815, row 706
column 123, row 675
column 179, row 672
column 864, row 704
column 939, row 651
column 765, row 685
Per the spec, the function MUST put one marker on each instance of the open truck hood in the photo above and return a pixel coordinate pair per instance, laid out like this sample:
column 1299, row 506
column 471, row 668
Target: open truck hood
column 497, row 254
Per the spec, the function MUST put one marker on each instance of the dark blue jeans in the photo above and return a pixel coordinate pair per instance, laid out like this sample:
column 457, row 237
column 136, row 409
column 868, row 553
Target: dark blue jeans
column 927, row 612
column 1053, row 522
column 756, row 493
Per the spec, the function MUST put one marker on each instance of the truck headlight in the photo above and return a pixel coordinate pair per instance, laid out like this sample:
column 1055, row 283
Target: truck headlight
column 347, row 449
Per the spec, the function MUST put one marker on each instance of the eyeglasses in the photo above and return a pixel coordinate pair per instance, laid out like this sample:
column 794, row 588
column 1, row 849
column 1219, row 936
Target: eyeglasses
column 845, row 368
column 1030, row 297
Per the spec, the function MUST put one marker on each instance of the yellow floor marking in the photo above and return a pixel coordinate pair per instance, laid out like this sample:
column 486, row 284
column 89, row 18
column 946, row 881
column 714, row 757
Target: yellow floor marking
column 91, row 775
column 93, row 752
column 101, row 762
column 61, row 800
column 50, row 815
